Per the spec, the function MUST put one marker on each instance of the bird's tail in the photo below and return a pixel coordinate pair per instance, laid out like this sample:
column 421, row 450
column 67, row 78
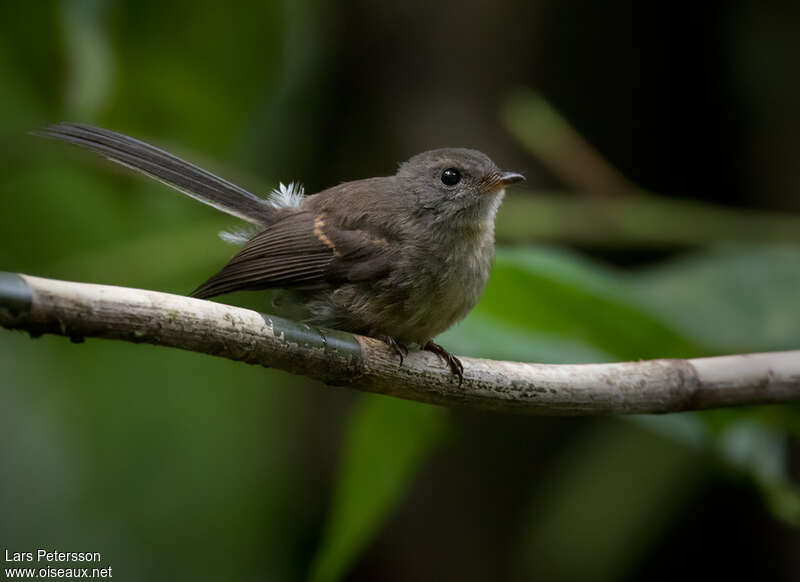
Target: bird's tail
column 164, row 167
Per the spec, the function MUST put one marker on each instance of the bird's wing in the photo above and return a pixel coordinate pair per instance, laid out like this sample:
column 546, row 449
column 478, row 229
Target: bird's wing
column 164, row 167
column 302, row 250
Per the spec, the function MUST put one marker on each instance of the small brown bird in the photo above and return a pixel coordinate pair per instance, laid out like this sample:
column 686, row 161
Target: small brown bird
column 401, row 258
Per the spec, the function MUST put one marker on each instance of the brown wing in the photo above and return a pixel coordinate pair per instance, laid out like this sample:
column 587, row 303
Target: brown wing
column 303, row 250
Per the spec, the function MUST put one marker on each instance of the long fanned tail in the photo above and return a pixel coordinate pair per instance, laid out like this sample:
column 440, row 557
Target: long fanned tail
column 164, row 167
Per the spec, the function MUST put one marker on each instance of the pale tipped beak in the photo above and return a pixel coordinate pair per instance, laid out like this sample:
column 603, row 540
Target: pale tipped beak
column 498, row 180
column 508, row 178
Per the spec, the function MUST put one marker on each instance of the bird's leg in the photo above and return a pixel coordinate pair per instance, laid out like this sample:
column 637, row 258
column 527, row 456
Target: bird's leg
column 456, row 367
column 399, row 348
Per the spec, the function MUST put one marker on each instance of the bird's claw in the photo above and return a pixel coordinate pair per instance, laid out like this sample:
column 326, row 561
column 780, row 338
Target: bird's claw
column 399, row 348
column 456, row 367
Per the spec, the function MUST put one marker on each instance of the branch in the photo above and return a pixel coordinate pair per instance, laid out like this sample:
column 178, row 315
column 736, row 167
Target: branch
column 79, row 310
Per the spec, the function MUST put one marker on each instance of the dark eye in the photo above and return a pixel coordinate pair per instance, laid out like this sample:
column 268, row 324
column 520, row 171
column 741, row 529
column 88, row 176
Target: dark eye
column 451, row 177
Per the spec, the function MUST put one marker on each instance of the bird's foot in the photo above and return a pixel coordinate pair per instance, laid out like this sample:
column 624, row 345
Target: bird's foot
column 399, row 348
column 456, row 367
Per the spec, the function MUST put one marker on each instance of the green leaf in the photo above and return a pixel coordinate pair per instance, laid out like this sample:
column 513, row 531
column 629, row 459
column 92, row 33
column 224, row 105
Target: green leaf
column 732, row 299
column 386, row 441
column 761, row 452
column 482, row 336
column 554, row 292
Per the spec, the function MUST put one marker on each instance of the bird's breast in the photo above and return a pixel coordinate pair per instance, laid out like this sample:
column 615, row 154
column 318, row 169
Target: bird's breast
column 452, row 273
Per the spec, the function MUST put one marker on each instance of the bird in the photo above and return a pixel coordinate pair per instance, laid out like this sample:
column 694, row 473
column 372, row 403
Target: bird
column 400, row 258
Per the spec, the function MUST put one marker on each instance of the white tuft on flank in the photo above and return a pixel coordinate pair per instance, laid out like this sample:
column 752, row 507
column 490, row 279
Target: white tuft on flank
column 284, row 196
column 287, row 196
column 237, row 237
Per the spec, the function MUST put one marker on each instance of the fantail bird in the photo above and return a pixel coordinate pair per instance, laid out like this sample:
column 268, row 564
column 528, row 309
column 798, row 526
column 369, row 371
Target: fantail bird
column 401, row 258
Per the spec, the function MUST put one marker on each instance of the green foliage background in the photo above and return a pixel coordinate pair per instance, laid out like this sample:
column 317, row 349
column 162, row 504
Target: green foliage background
column 178, row 466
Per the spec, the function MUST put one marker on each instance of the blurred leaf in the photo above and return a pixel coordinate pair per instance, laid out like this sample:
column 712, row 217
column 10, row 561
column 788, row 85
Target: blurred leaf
column 761, row 452
column 625, row 215
column 52, row 210
column 130, row 263
column 20, row 111
column 609, row 497
column 386, row 441
column 154, row 444
column 553, row 292
column 187, row 88
column 482, row 336
column 30, row 60
column 636, row 221
column 552, row 140
column 90, row 59
column 744, row 442
column 732, row 299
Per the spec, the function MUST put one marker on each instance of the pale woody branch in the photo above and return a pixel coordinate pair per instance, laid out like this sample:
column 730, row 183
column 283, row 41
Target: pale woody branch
column 80, row 310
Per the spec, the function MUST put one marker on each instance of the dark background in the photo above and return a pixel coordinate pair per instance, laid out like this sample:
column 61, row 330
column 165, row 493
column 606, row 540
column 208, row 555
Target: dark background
column 177, row 466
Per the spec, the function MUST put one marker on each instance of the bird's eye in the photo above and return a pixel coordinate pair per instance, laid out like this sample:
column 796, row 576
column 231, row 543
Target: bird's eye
column 451, row 177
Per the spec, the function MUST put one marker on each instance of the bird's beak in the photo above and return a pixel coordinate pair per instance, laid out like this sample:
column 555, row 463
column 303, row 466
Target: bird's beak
column 508, row 178
column 500, row 180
